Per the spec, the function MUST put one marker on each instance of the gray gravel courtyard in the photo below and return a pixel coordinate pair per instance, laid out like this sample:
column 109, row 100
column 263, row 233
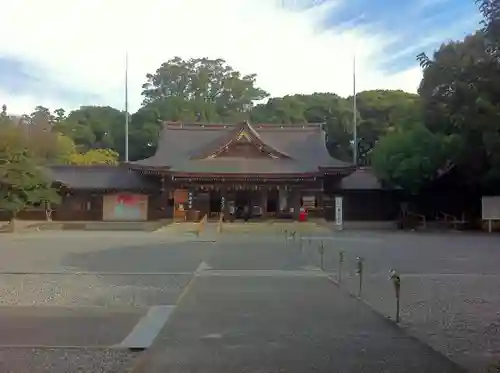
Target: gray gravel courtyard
column 449, row 299
column 450, row 295
column 62, row 293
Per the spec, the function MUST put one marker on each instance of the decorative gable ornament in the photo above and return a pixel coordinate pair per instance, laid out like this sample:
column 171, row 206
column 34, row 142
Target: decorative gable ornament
column 248, row 135
column 243, row 136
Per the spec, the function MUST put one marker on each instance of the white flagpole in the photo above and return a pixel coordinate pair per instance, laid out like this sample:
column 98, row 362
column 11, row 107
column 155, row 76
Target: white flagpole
column 126, row 107
column 354, row 114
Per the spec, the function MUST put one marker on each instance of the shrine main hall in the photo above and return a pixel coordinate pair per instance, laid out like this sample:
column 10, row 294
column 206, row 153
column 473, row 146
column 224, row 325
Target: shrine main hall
column 271, row 170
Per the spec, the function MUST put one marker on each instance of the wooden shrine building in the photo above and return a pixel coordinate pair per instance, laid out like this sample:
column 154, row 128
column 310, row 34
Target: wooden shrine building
column 271, row 169
column 199, row 169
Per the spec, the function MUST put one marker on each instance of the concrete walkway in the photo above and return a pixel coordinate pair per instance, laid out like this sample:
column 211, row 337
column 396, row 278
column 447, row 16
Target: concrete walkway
column 294, row 324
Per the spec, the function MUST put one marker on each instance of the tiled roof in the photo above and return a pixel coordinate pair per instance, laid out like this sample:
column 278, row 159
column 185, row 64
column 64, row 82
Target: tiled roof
column 180, row 143
column 362, row 179
column 98, row 177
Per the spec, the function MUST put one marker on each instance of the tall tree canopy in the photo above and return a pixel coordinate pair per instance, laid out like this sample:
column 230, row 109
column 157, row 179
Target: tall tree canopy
column 460, row 94
column 206, row 83
column 22, row 181
column 378, row 112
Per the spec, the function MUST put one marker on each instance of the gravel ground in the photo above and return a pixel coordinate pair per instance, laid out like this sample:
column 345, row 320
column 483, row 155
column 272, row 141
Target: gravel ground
column 19, row 360
column 449, row 291
column 450, row 282
column 90, row 290
column 456, row 314
column 67, row 326
column 111, row 272
column 116, row 252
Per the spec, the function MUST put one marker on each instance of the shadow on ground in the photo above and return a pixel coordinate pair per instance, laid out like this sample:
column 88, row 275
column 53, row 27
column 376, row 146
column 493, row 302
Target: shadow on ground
column 145, row 258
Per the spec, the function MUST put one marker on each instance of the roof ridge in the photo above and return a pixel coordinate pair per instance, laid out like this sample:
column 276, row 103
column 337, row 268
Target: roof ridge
column 178, row 125
column 84, row 166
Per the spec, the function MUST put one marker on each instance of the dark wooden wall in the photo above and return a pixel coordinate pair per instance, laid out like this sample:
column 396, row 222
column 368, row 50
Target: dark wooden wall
column 366, row 205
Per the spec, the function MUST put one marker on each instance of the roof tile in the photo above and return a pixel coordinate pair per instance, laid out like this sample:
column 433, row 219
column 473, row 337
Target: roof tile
column 304, row 143
column 98, row 177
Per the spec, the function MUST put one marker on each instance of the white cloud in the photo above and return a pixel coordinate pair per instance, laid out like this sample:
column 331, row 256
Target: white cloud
column 25, row 103
column 82, row 45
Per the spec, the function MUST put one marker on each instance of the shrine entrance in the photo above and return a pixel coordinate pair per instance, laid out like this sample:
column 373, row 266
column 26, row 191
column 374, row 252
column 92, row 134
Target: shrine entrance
column 262, row 201
column 242, row 198
column 215, row 205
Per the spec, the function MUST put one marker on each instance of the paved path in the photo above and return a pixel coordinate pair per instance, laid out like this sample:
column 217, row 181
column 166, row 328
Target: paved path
column 241, row 320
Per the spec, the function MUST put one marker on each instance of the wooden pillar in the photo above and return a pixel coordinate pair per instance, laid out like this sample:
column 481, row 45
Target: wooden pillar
column 191, row 205
column 224, row 201
column 264, row 203
column 296, row 203
column 320, row 202
column 160, row 212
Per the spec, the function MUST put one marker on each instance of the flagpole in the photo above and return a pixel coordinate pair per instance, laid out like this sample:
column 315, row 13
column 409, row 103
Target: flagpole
column 126, row 107
column 354, row 114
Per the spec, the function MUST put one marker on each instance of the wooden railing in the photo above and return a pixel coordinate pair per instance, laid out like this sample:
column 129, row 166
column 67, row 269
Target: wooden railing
column 446, row 217
column 453, row 220
column 420, row 217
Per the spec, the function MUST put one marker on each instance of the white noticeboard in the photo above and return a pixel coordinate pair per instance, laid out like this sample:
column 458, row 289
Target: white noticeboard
column 338, row 212
column 490, row 209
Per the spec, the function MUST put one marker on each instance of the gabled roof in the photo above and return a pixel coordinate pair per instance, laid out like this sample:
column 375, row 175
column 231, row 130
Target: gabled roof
column 181, row 148
column 362, row 179
column 98, row 177
column 237, row 131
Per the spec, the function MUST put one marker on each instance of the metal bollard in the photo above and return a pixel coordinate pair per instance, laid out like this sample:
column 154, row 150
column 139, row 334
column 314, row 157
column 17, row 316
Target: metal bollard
column 359, row 272
column 341, row 264
column 321, row 250
column 396, row 281
column 286, row 235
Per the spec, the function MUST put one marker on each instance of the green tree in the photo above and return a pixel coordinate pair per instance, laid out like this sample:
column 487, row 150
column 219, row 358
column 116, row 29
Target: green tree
column 460, row 92
column 206, row 83
column 97, row 124
column 41, row 120
column 51, row 147
column 379, row 111
column 327, row 108
column 22, row 181
column 490, row 9
column 412, row 158
column 95, row 156
column 287, row 109
column 5, row 120
column 91, row 126
column 60, row 115
column 81, row 134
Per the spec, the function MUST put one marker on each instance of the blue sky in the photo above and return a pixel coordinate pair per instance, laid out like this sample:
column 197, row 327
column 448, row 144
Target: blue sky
column 295, row 46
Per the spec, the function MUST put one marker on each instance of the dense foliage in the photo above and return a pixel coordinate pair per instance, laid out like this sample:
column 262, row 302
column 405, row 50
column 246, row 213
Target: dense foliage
column 23, row 182
column 460, row 94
